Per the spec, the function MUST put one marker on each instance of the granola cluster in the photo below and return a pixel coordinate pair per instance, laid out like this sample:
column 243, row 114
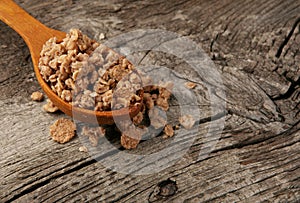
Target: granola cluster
column 62, row 130
column 153, row 114
column 37, row 96
column 93, row 133
column 83, row 72
column 50, row 107
column 156, row 104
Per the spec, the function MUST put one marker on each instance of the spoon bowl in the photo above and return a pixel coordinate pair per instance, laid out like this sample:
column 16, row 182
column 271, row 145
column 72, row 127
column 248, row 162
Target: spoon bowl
column 35, row 34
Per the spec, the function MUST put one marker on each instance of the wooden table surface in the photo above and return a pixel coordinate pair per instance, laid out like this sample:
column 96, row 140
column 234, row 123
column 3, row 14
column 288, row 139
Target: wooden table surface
column 255, row 46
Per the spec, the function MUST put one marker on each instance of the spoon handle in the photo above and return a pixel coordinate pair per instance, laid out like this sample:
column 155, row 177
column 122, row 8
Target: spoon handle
column 31, row 30
column 20, row 20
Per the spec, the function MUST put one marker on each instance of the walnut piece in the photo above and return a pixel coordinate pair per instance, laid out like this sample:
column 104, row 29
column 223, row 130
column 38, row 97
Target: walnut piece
column 62, row 130
column 37, row 96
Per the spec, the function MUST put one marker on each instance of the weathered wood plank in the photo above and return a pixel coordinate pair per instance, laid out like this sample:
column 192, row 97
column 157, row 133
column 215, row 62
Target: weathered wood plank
column 255, row 159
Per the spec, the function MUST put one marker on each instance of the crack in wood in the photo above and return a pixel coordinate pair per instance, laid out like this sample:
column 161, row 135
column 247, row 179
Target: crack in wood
column 289, row 92
column 292, row 129
column 163, row 190
column 287, row 39
column 45, row 182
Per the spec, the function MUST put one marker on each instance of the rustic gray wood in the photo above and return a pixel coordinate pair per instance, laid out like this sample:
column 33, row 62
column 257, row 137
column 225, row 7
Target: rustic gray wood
column 255, row 44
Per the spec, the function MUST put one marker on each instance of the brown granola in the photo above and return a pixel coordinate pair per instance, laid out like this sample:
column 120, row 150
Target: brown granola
column 89, row 75
column 62, row 130
column 93, row 133
column 128, row 142
column 153, row 96
column 138, row 118
column 37, row 96
column 169, row 132
column 50, row 107
column 84, row 73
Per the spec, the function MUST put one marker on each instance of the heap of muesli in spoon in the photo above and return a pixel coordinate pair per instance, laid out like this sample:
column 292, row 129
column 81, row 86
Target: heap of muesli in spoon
column 91, row 76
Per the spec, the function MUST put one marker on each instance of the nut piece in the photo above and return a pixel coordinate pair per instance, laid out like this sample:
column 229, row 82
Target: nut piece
column 129, row 142
column 190, row 85
column 177, row 127
column 50, row 107
column 83, row 149
column 169, row 132
column 62, row 130
column 37, row 96
column 187, row 121
column 131, row 136
column 101, row 36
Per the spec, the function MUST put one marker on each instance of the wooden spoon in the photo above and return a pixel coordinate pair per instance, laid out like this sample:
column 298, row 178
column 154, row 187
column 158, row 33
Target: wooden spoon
column 35, row 34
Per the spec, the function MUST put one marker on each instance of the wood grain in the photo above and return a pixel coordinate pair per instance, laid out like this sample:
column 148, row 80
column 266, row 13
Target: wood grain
column 256, row 158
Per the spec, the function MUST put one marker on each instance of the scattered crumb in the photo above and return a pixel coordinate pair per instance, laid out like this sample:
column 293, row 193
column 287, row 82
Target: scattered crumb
column 101, row 36
column 50, row 107
column 169, row 132
column 62, row 130
column 190, row 85
column 83, row 149
column 187, row 121
column 93, row 133
column 131, row 137
column 177, row 127
column 129, row 142
column 37, row 96
column 97, row 130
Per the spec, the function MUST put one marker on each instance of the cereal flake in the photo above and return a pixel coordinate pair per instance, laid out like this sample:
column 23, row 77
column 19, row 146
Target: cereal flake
column 129, row 142
column 169, row 132
column 37, row 96
column 50, row 107
column 62, row 130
